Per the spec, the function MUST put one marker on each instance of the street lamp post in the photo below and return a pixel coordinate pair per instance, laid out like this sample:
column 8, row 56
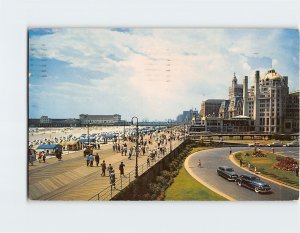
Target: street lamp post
column 170, row 137
column 124, row 129
column 89, row 132
column 137, row 146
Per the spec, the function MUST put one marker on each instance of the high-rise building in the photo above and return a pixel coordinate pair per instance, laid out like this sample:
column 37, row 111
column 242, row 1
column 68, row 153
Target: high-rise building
column 267, row 106
column 210, row 107
column 267, row 102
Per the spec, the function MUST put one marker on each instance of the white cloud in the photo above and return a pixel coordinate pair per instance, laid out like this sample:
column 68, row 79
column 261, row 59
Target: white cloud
column 157, row 73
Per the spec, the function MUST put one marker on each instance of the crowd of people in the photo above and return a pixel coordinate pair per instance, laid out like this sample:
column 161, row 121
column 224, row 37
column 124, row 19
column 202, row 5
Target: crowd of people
column 152, row 145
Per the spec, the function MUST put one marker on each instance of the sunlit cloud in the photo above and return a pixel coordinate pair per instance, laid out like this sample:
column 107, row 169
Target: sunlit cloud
column 151, row 73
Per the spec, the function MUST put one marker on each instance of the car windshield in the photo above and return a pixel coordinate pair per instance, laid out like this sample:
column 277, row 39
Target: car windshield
column 229, row 170
column 254, row 178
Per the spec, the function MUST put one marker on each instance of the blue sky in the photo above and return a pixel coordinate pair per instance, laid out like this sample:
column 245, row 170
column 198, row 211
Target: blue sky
column 154, row 74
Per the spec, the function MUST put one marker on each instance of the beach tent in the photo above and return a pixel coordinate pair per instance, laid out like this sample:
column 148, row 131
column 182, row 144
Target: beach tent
column 71, row 145
column 50, row 147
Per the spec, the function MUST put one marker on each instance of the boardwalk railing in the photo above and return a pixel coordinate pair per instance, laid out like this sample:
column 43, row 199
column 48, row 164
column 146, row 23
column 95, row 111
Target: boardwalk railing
column 110, row 191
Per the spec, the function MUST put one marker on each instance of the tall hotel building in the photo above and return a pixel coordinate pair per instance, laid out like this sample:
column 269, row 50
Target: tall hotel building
column 268, row 103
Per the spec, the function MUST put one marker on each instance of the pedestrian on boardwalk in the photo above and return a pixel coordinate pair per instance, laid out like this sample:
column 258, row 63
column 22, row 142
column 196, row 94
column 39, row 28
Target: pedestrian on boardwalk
column 119, row 148
column 103, row 167
column 130, row 152
column 148, row 162
column 297, row 170
column 121, row 168
column 44, row 157
column 112, row 178
column 110, row 168
column 230, row 150
column 40, row 156
column 91, row 158
column 97, row 159
column 87, row 158
column 125, row 150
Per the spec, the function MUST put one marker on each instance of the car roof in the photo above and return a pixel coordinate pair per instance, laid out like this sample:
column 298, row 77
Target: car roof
column 249, row 175
column 225, row 167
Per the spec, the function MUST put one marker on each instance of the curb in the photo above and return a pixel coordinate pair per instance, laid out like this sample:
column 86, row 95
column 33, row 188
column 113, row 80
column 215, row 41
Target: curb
column 203, row 182
column 261, row 176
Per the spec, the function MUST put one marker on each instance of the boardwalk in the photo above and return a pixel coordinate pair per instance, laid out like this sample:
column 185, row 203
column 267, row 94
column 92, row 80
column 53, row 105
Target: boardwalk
column 71, row 179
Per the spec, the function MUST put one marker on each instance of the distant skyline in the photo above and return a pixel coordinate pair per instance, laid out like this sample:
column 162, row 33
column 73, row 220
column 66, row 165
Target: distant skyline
column 154, row 74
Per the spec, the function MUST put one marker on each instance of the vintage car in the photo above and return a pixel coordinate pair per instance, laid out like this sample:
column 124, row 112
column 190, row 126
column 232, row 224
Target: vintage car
column 227, row 173
column 275, row 144
column 293, row 143
column 256, row 144
column 254, row 183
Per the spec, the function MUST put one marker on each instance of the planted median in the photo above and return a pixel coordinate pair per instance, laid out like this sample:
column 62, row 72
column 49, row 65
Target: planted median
column 277, row 167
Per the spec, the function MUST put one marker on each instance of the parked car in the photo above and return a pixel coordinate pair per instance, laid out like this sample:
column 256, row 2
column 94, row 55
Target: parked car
column 293, row 143
column 227, row 172
column 254, row 144
column 275, row 144
column 254, row 183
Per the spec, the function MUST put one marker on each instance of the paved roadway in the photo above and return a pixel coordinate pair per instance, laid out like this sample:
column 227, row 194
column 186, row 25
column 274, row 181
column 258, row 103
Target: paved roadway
column 213, row 158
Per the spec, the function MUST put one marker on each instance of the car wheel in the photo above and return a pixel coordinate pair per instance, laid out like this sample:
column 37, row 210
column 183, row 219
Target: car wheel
column 256, row 190
column 239, row 183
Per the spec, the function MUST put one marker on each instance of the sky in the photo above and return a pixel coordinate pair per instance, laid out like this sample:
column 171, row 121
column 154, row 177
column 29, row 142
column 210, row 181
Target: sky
column 153, row 74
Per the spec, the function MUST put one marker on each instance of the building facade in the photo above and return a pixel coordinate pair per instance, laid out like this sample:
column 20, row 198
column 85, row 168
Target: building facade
column 99, row 119
column 267, row 103
column 210, row 107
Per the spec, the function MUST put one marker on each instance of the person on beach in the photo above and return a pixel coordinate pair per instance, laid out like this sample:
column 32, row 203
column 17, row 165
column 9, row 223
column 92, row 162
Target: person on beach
column 97, row 159
column 103, row 167
column 121, row 168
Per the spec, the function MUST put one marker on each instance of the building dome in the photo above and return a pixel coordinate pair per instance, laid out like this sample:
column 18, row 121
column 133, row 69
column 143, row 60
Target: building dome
column 271, row 75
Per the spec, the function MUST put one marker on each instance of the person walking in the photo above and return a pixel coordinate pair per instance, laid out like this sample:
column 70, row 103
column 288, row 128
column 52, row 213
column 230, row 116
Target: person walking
column 230, row 151
column 130, row 152
column 44, row 157
column 91, row 158
column 121, row 168
column 199, row 163
column 273, row 150
column 103, row 167
column 87, row 158
column 97, row 159
column 112, row 178
column 40, row 156
column 148, row 162
column 110, row 168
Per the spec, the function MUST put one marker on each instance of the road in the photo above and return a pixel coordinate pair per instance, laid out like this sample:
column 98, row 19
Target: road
column 213, row 158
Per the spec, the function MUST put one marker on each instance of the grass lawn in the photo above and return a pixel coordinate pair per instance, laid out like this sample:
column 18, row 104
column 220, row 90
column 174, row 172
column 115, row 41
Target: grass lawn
column 186, row 188
column 264, row 166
